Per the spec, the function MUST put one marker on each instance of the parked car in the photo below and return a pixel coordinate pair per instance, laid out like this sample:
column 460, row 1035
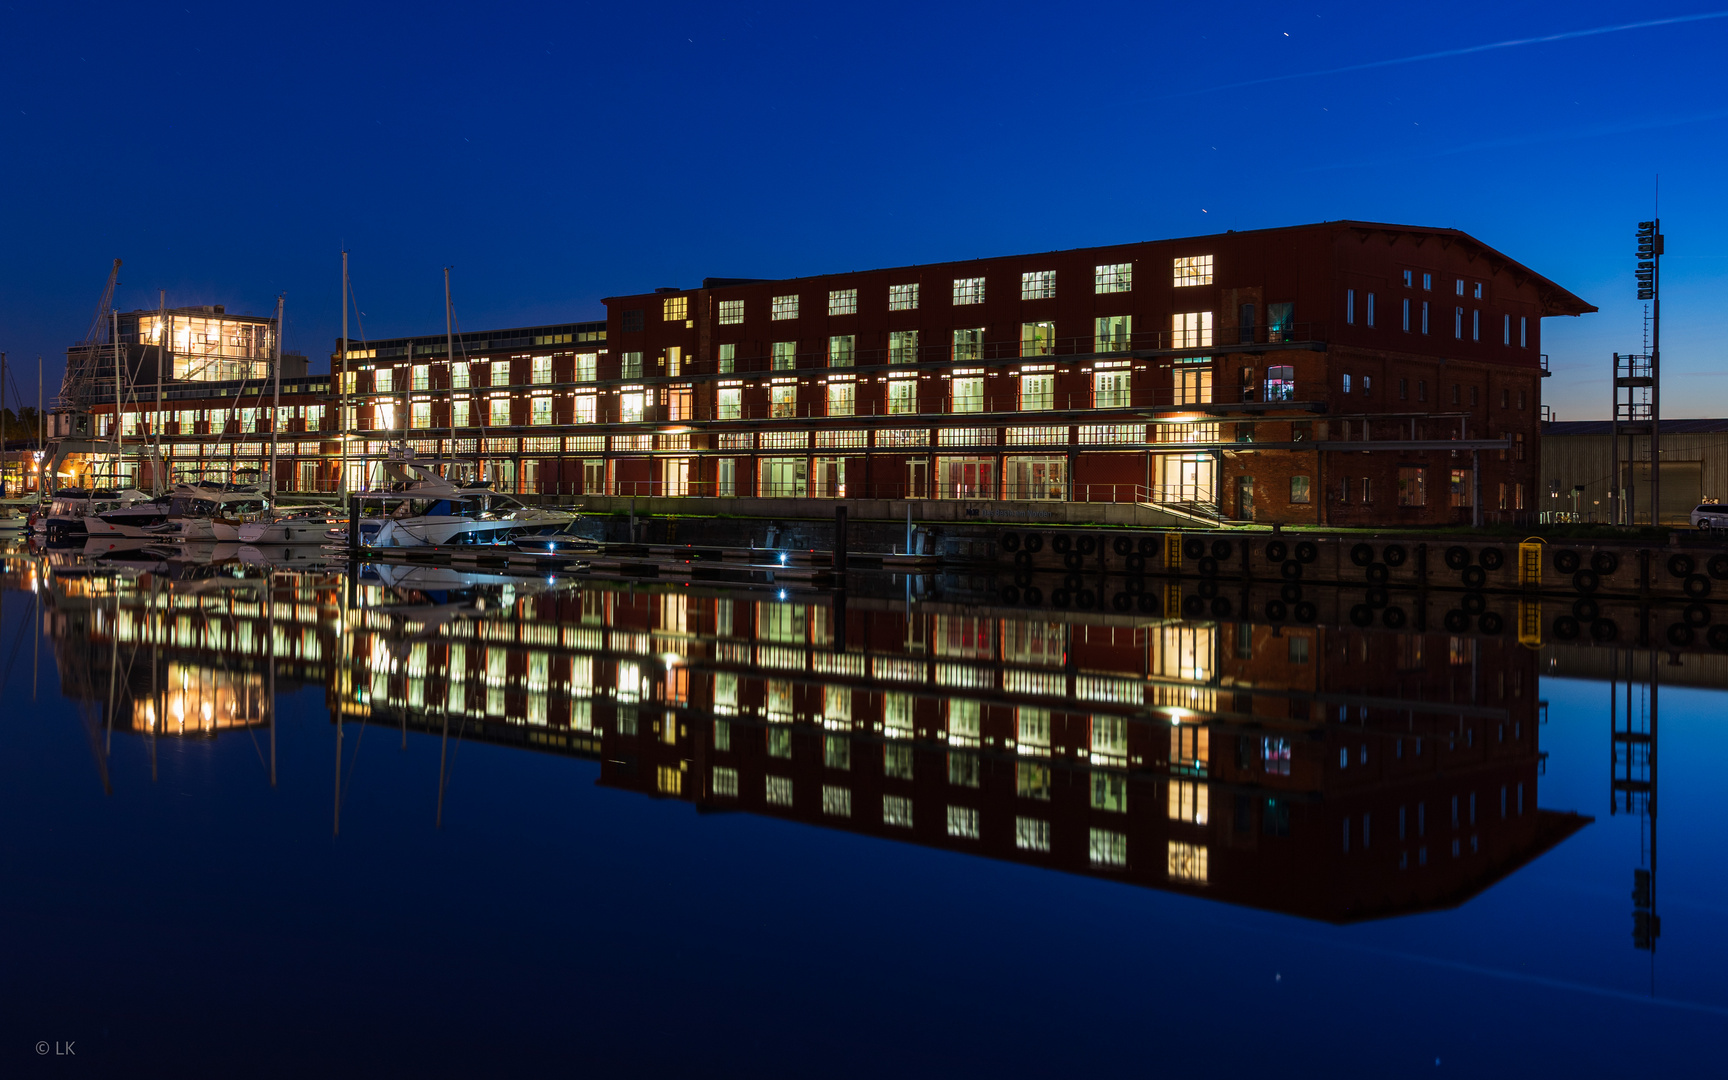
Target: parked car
column 1711, row 516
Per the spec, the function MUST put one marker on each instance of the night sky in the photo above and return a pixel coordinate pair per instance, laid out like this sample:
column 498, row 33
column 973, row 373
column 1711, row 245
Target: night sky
column 555, row 155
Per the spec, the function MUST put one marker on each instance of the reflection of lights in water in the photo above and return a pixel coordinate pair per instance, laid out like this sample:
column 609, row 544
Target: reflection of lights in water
column 670, row 658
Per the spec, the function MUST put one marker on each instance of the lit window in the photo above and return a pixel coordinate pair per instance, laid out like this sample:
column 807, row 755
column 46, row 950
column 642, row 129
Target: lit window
column 727, row 355
column 968, row 291
column 969, row 344
column 785, row 355
column 1194, row 270
column 1478, row 292
column 731, row 312
column 1113, row 333
column 542, row 413
column 1113, row 278
column 726, row 783
column 897, row 811
column 542, row 369
column 963, row 822
column 1111, row 388
column 1427, row 282
column 382, row 380
column 784, row 397
column 587, row 365
column 968, row 394
column 1412, row 487
column 421, row 416
column 459, row 373
column 500, row 412
column 902, row 396
column 674, row 361
column 785, row 307
column 1031, row 834
column 1032, row 781
column 903, row 346
column 630, row 407
column 1281, row 383
column 1189, row 801
column 836, row 801
column 731, row 403
column 1187, row 862
column 421, row 377
column 1280, row 322
column 1299, row 490
column 675, row 309
column 1191, row 330
column 1460, row 286
column 903, row 297
column 500, row 373
column 1107, row 848
column 1370, row 311
column 1460, row 488
column 1037, row 338
column 459, row 413
column 840, row 350
column 630, row 366
column 843, row 302
column 779, row 791
column 1037, row 391
column 1192, row 383
column 1037, row 285
column 841, row 400
column 587, row 408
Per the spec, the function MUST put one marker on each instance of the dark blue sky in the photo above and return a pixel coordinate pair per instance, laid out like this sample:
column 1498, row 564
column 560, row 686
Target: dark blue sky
column 554, row 155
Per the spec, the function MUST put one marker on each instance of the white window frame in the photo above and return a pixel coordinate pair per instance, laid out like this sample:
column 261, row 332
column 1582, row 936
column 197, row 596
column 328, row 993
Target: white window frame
column 731, row 312
column 1190, row 270
column 785, row 307
column 903, row 297
column 1038, row 285
column 1191, row 330
column 968, row 291
column 1113, row 278
column 843, row 301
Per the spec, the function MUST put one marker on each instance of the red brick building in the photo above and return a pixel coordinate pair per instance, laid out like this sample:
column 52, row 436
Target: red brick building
column 1226, row 371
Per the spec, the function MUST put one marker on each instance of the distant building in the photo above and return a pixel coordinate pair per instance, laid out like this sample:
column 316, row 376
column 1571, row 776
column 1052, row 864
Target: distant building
column 1578, row 475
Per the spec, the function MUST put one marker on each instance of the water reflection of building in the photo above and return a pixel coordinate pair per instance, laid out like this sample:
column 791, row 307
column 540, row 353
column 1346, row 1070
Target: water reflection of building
column 1333, row 774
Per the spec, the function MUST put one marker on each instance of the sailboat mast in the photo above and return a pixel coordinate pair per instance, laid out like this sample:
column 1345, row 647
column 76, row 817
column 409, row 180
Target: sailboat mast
column 450, row 365
column 156, row 467
column 276, row 398
column 114, row 325
column 342, row 389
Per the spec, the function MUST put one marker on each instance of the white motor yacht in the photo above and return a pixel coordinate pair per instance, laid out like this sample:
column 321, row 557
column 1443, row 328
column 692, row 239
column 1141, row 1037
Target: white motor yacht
column 211, row 512
column 132, row 518
column 69, row 508
column 310, row 526
column 430, row 510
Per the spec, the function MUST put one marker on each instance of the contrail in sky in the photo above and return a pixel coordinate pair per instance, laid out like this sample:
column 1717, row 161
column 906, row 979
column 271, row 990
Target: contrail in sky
column 1567, row 36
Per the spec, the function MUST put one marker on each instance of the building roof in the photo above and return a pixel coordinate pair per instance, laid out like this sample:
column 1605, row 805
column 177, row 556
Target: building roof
column 1555, row 300
column 1603, row 427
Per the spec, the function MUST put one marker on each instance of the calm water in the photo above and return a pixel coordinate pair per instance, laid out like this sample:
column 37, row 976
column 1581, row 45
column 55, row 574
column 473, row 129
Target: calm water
column 490, row 826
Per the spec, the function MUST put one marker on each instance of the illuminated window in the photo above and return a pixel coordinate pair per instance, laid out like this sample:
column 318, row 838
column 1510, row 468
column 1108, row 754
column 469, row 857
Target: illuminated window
column 841, row 399
column 963, row 822
column 965, row 722
column 1113, row 333
column 785, row 307
column 586, row 365
column 1187, row 862
column 421, row 416
column 459, row 413
column 727, row 355
column 903, row 297
column 499, row 415
column 1110, row 792
column 897, row 811
column 1037, row 284
column 731, row 312
column 1032, row 781
column 1031, row 834
column 1111, row 387
column 1032, row 730
column 841, row 349
column 1194, row 270
column 897, row 762
column 542, row 369
column 897, row 715
column 779, row 791
column 1106, row 848
column 785, row 355
column 421, row 377
column 968, row 291
column 726, row 783
column 542, row 413
column 836, row 801
column 1037, row 338
column 1188, row 801
column 1191, row 330
column 784, row 399
column 1037, row 391
column 1299, row 490
column 963, row 770
column 630, row 407
column 382, row 380
column 1281, row 382
column 969, row 344
column 731, row 405
column 587, row 408
column 903, row 347
column 902, row 396
column 1113, row 278
column 843, row 302
column 630, row 365
column 674, row 309
column 968, row 394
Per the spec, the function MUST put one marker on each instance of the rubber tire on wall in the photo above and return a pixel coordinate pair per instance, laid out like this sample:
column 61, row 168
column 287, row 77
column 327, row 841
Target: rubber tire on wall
column 1136, row 563
column 1586, row 581
column 1208, row 566
column 1277, row 551
column 1606, row 562
column 1073, row 560
column 1681, row 564
column 1149, row 604
column 1362, row 554
column 1022, row 558
column 1222, row 549
column 1717, row 636
column 1122, row 546
column 1474, row 577
column 1193, row 548
column 1034, row 542
column 1148, row 546
column 1567, row 561
column 1394, row 555
column 1474, row 603
column 1010, row 542
column 1221, row 608
column 1457, row 556
column 1193, row 607
column 1277, row 611
column 1586, row 609
column 1207, row 589
column 1490, row 622
column 1696, row 615
column 1305, row 611
column 1718, row 567
column 1087, row 545
column 1362, row 615
column 1033, row 595
column 1491, row 558
column 1377, row 573
column 1062, row 544
column 1291, row 570
column 1290, row 593
column 1697, row 586
column 1307, row 551
column 1394, row 618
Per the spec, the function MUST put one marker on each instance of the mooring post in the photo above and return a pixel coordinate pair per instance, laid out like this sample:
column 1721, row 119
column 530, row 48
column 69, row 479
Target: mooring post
column 840, row 544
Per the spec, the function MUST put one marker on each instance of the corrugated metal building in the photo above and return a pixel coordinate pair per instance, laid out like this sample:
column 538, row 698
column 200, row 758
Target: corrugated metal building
column 1578, row 469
